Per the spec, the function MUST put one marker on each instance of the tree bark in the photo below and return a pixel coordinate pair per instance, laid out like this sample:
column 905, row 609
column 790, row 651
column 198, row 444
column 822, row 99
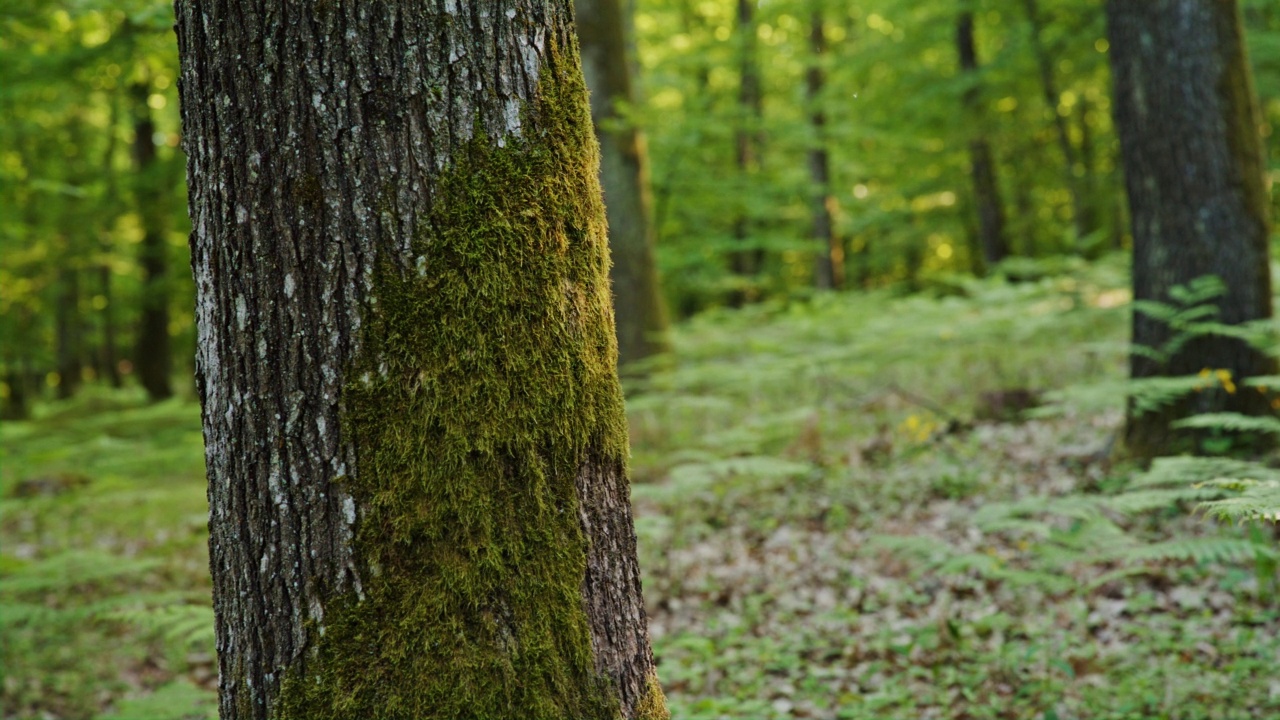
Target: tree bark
column 829, row 264
column 982, row 169
column 153, row 356
column 414, row 432
column 624, row 174
column 1189, row 136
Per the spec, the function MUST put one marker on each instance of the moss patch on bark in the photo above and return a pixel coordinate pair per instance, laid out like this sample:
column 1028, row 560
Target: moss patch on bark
column 486, row 377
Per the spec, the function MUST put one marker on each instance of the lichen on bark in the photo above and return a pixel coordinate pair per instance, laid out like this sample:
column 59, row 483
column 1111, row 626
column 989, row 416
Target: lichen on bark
column 485, row 383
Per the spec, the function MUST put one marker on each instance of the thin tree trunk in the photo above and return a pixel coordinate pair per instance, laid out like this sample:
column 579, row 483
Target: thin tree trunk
column 986, row 190
column 414, row 431
column 152, row 358
column 1049, row 88
column 624, row 174
column 1089, row 201
column 829, row 266
column 17, row 368
column 70, row 334
column 1188, row 124
column 746, row 262
column 108, row 356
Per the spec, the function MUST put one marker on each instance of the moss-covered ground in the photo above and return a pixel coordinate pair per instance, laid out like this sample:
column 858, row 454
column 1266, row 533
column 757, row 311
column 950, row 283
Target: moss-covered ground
column 810, row 529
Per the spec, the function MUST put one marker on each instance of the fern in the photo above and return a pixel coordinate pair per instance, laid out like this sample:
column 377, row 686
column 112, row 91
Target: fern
column 1259, row 501
column 68, row 570
column 1153, row 393
column 189, row 626
column 1200, row 550
column 1232, row 422
column 1185, row 470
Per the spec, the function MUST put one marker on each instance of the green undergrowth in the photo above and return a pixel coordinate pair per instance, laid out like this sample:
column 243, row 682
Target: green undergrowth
column 486, row 381
column 104, row 572
column 833, row 521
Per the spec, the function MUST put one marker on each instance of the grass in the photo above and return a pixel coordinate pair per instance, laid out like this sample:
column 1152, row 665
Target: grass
column 808, row 481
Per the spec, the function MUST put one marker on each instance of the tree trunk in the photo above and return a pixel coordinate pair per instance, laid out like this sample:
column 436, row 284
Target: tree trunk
column 107, row 355
column 70, row 334
column 1188, row 126
column 152, row 355
column 624, row 174
column 1049, row 88
column 982, row 169
column 414, row 431
column 829, row 265
column 746, row 262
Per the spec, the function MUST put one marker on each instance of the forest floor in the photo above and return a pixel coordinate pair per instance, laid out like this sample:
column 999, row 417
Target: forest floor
column 846, row 508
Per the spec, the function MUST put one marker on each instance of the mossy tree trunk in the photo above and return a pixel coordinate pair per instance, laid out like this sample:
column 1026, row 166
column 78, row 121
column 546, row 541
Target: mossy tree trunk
column 624, row 174
column 1189, row 137
column 153, row 354
column 414, row 432
column 829, row 254
column 992, row 242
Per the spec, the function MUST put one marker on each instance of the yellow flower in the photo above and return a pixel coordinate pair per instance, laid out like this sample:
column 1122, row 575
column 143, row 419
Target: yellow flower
column 1224, row 376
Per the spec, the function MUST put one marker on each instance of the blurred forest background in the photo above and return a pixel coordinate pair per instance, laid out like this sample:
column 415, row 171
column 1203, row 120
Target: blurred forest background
column 872, row 469
column 96, row 286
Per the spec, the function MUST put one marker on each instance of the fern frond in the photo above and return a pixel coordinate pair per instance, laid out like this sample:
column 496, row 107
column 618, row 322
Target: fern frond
column 1186, row 470
column 1259, row 503
column 1200, row 550
column 1139, row 501
column 1233, row 422
column 1153, row 393
column 71, row 569
column 186, row 625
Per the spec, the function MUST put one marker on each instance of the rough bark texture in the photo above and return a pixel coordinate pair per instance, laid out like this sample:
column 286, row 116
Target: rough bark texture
column 153, row 356
column 624, row 174
column 829, row 265
column 982, row 168
column 1188, row 125
column 414, row 432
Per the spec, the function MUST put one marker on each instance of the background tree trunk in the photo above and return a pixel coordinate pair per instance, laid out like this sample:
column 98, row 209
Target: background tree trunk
column 1049, row 88
column 107, row 355
column 829, row 265
column 153, row 356
column 1188, row 125
column 982, row 169
column 69, row 329
column 746, row 262
column 624, row 174
column 414, row 432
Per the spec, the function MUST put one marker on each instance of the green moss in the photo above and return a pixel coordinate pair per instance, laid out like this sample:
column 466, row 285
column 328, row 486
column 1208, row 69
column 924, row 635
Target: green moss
column 653, row 706
column 486, row 378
